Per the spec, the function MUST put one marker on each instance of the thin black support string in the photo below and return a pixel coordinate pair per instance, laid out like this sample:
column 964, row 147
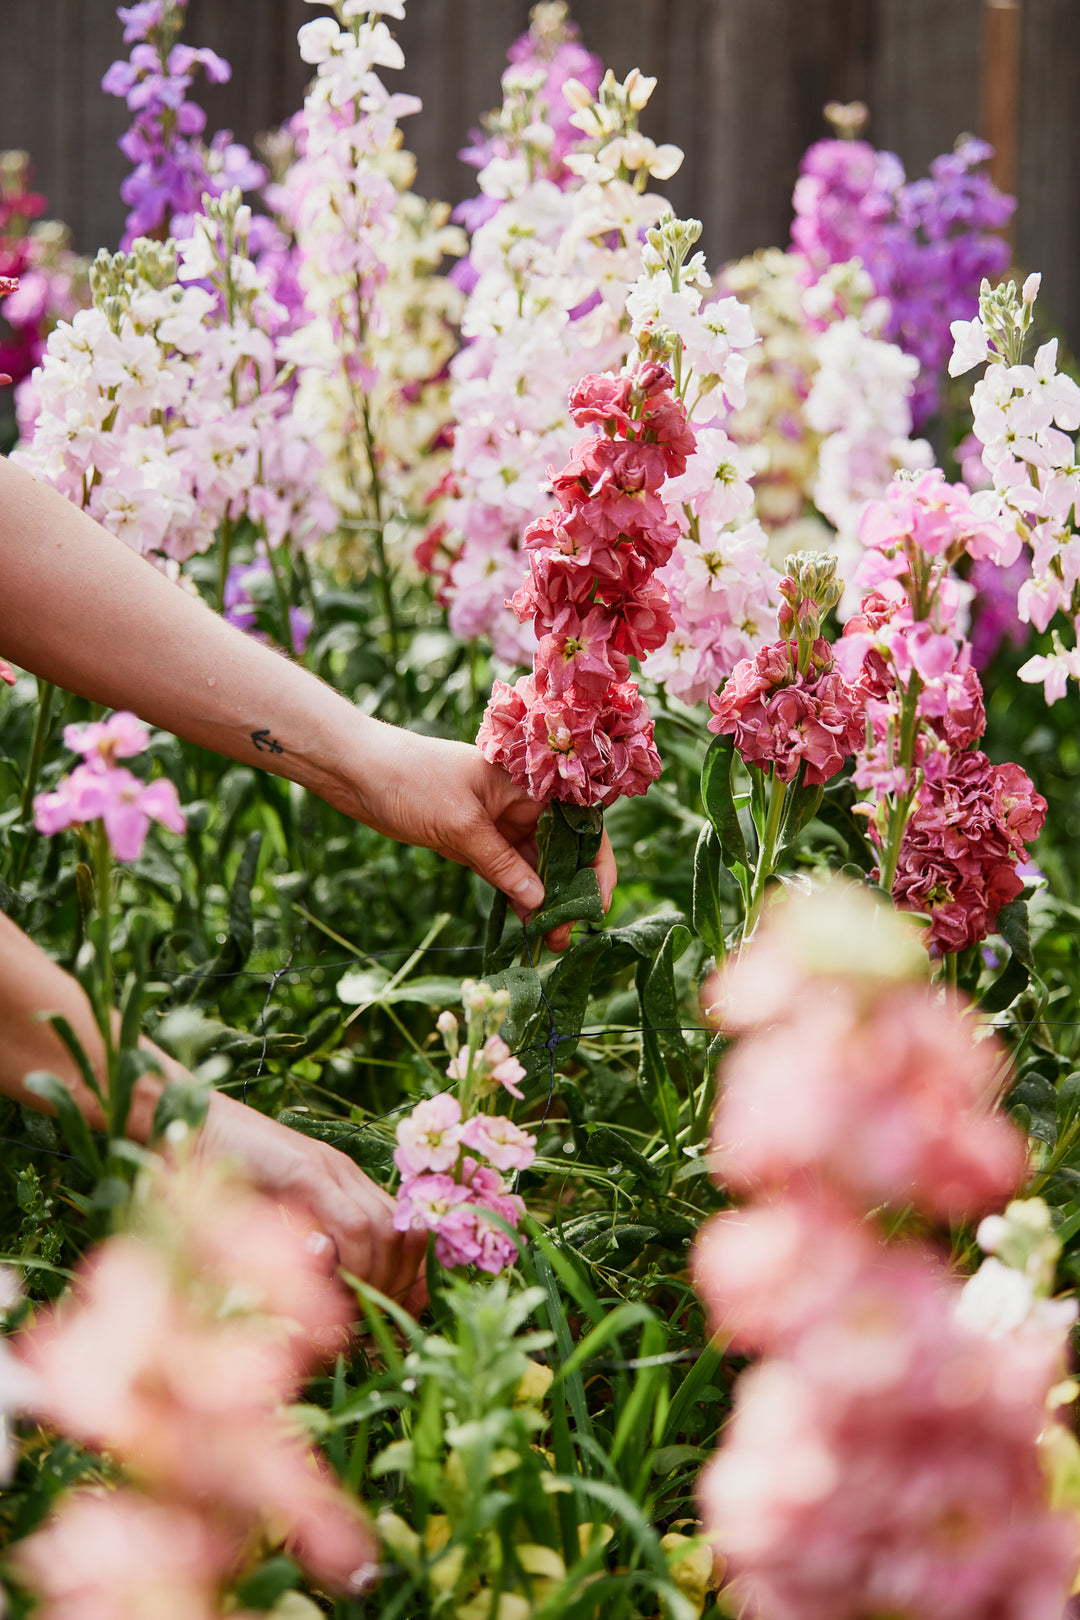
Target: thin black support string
column 33, row 1147
column 271, row 987
column 554, row 1039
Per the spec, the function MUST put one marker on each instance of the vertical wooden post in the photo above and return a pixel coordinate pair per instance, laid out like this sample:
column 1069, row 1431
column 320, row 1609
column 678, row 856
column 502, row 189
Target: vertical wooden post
column 999, row 91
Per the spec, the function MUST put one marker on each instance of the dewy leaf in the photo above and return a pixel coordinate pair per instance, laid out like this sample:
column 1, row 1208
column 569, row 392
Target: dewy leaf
column 719, row 804
column 578, row 901
column 567, row 839
column 523, row 983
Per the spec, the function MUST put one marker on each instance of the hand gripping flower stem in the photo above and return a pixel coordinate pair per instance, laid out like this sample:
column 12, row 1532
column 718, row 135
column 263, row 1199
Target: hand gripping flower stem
column 110, row 614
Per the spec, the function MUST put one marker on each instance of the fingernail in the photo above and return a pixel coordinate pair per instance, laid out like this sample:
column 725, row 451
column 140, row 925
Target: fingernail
column 531, row 894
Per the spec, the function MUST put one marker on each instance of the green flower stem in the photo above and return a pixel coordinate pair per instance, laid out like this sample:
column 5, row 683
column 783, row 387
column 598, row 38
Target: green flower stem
column 223, row 560
column 37, row 747
column 103, row 887
column 901, row 810
column 767, row 851
column 283, row 603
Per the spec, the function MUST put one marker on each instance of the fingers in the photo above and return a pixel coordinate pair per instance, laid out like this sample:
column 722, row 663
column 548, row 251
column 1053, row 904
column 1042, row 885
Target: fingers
column 607, row 873
column 484, row 848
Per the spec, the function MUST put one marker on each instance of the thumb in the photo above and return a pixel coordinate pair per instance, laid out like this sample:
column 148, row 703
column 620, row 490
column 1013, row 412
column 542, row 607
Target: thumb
column 499, row 864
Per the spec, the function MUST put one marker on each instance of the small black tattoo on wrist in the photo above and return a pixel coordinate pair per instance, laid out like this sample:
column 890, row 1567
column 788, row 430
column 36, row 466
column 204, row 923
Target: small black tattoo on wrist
column 264, row 742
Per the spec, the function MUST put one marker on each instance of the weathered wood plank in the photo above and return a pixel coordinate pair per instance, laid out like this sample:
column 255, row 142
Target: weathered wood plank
column 924, row 84
column 741, row 87
column 1048, row 219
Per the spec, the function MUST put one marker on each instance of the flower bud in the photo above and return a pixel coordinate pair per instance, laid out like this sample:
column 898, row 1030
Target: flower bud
column 1031, row 287
column 475, row 998
column 539, row 136
column 447, row 1026
column 638, row 88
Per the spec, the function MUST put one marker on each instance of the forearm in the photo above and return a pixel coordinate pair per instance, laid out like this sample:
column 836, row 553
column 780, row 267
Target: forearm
column 80, row 609
column 31, row 985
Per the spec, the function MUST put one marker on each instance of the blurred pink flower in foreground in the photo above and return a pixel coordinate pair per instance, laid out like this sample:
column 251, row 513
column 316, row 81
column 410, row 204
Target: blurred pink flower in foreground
column 886, row 1101
column 854, row 1076
column 884, row 1456
column 177, row 1354
column 124, row 803
column 116, row 1556
column 103, row 742
column 886, row 1462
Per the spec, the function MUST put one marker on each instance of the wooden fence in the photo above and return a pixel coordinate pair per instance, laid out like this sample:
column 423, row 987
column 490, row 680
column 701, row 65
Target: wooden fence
column 742, row 83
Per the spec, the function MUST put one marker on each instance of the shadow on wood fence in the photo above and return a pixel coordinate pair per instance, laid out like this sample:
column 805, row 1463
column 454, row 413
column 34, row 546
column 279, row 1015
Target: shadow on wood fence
column 741, row 86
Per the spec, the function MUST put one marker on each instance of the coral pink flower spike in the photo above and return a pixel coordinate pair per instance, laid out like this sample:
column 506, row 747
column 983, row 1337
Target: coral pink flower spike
column 577, row 729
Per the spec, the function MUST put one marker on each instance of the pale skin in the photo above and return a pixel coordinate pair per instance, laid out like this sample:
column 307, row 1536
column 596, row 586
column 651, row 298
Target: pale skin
column 81, row 610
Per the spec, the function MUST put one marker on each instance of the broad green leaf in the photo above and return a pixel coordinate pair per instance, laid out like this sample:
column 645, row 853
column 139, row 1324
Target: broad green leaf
column 1012, row 925
column 707, row 913
column 719, row 804
column 803, row 804
column 523, row 983
column 1010, row 982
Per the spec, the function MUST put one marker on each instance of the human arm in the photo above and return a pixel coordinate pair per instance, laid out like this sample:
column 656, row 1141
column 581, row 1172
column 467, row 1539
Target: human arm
column 81, row 610
column 353, row 1212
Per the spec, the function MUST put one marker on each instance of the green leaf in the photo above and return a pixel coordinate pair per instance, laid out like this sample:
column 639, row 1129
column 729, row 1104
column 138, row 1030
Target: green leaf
column 130, row 1065
column 571, row 1379
column 568, row 837
column 1012, row 925
column 605, row 1146
column 628, row 1239
column 668, row 1458
column 1010, row 982
column 362, row 1143
column 719, row 805
column 802, row 806
column 523, row 983
column 578, row 900
column 11, row 901
column 78, row 1052
column 51, row 1089
column 665, row 1056
column 686, row 1396
column 240, row 935
column 635, row 1425
column 639, row 941
column 707, row 913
